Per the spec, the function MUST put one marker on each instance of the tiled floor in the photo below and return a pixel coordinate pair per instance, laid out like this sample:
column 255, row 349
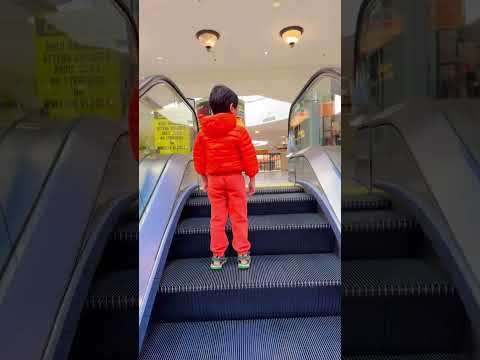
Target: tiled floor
column 272, row 178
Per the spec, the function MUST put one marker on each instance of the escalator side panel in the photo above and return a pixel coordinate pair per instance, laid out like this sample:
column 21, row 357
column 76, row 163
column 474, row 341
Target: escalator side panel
column 46, row 252
column 157, row 227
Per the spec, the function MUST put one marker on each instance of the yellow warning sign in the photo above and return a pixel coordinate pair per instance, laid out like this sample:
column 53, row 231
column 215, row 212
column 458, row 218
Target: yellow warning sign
column 75, row 79
column 170, row 138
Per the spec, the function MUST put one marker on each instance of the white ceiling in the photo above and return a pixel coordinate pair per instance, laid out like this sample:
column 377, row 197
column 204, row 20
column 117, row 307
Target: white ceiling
column 247, row 28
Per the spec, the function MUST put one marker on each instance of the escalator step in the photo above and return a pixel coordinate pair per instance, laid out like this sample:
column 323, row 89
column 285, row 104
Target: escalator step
column 263, row 190
column 408, row 357
column 269, row 235
column 379, row 234
column 409, row 306
column 120, row 250
column 114, row 291
column 109, row 319
column 365, row 202
column 262, row 204
column 276, row 285
column 282, row 339
column 126, row 232
column 376, row 220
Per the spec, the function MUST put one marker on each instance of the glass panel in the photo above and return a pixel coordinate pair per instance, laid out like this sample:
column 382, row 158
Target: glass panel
column 166, row 122
column 56, row 69
column 316, row 116
column 392, row 60
column 55, row 65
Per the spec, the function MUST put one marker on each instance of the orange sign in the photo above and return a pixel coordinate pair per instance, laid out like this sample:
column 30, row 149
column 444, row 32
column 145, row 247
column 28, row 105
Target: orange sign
column 448, row 14
column 326, row 108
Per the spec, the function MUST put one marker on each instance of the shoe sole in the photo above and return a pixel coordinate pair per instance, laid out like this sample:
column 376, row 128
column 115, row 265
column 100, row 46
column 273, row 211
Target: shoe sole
column 244, row 267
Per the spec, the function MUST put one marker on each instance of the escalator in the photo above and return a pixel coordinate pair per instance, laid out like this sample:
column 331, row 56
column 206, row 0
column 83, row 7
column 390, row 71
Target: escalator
column 410, row 199
column 392, row 283
column 287, row 306
column 108, row 319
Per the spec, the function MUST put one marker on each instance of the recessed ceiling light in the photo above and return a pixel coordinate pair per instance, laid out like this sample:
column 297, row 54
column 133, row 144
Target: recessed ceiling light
column 257, row 132
column 276, row 4
column 160, row 58
column 265, row 52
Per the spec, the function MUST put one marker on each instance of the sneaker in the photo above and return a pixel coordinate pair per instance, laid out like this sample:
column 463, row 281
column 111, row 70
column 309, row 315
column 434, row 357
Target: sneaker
column 244, row 261
column 217, row 262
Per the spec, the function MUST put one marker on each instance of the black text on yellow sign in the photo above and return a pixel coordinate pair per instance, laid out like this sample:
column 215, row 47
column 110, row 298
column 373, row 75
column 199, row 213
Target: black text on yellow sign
column 171, row 138
column 75, row 79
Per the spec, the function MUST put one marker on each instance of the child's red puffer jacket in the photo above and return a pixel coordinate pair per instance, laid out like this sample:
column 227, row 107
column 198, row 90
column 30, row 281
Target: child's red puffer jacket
column 223, row 148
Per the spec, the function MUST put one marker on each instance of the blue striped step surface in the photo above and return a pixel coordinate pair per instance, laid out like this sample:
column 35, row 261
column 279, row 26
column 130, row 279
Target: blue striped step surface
column 410, row 307
column 269, row 235
column 310, row 338
column 379, row 234
column 408, row 357
column 275, row 285
column 263, row 190
column 260, row 204
column 114, row 291
column 365, row 202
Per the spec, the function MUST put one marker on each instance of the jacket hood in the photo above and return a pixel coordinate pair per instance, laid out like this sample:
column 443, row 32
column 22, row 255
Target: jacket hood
column 218, row 125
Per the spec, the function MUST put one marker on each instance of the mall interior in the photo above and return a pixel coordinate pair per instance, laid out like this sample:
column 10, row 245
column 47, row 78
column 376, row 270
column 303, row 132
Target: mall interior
column 284, row 63
column 250, row 57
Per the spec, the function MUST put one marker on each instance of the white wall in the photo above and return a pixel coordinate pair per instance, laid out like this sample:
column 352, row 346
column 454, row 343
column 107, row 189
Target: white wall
column 280, row 83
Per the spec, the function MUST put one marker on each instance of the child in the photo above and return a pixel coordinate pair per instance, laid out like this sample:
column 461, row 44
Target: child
column 222, row 151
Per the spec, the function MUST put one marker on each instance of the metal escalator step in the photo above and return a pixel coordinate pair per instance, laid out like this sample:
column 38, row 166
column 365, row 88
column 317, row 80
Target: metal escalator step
column 379, row 234
column 263, row 190
column 393, row 277
column 276, row 285
column 269, row 235
column 281, row 339
column 365, row 202
column 408, row 357
column 126, row 232
column 260, row 204
column 114, row 291
column 410, row 307
column 376, row 220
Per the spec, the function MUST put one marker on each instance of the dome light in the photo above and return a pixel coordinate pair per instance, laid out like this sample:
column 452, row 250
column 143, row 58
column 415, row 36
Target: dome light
column 208, row 38
column 291, row 35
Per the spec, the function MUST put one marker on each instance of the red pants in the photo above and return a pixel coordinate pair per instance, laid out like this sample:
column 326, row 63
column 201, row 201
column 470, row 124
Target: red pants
column 228, row 195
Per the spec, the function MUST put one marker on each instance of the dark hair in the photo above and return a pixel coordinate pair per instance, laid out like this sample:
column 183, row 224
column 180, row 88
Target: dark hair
column 220, row 99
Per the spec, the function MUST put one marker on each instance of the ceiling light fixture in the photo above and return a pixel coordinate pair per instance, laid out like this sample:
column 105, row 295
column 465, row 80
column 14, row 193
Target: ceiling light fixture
column 257, row 132
column 208, row 38
column 160, row 58
column 291, row 34
column 266, row 52
column 276, row 4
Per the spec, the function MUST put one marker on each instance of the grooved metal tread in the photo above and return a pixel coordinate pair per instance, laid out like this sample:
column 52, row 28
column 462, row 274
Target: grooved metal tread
column 365, row 202
column 376, row 220
column 309, row 338
column 126, row 232
column 116, row 290
column 262, row 190
column 408, row 357
column 260, row 199
column 267, row 271
column 285, row 222
column 393, row 277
